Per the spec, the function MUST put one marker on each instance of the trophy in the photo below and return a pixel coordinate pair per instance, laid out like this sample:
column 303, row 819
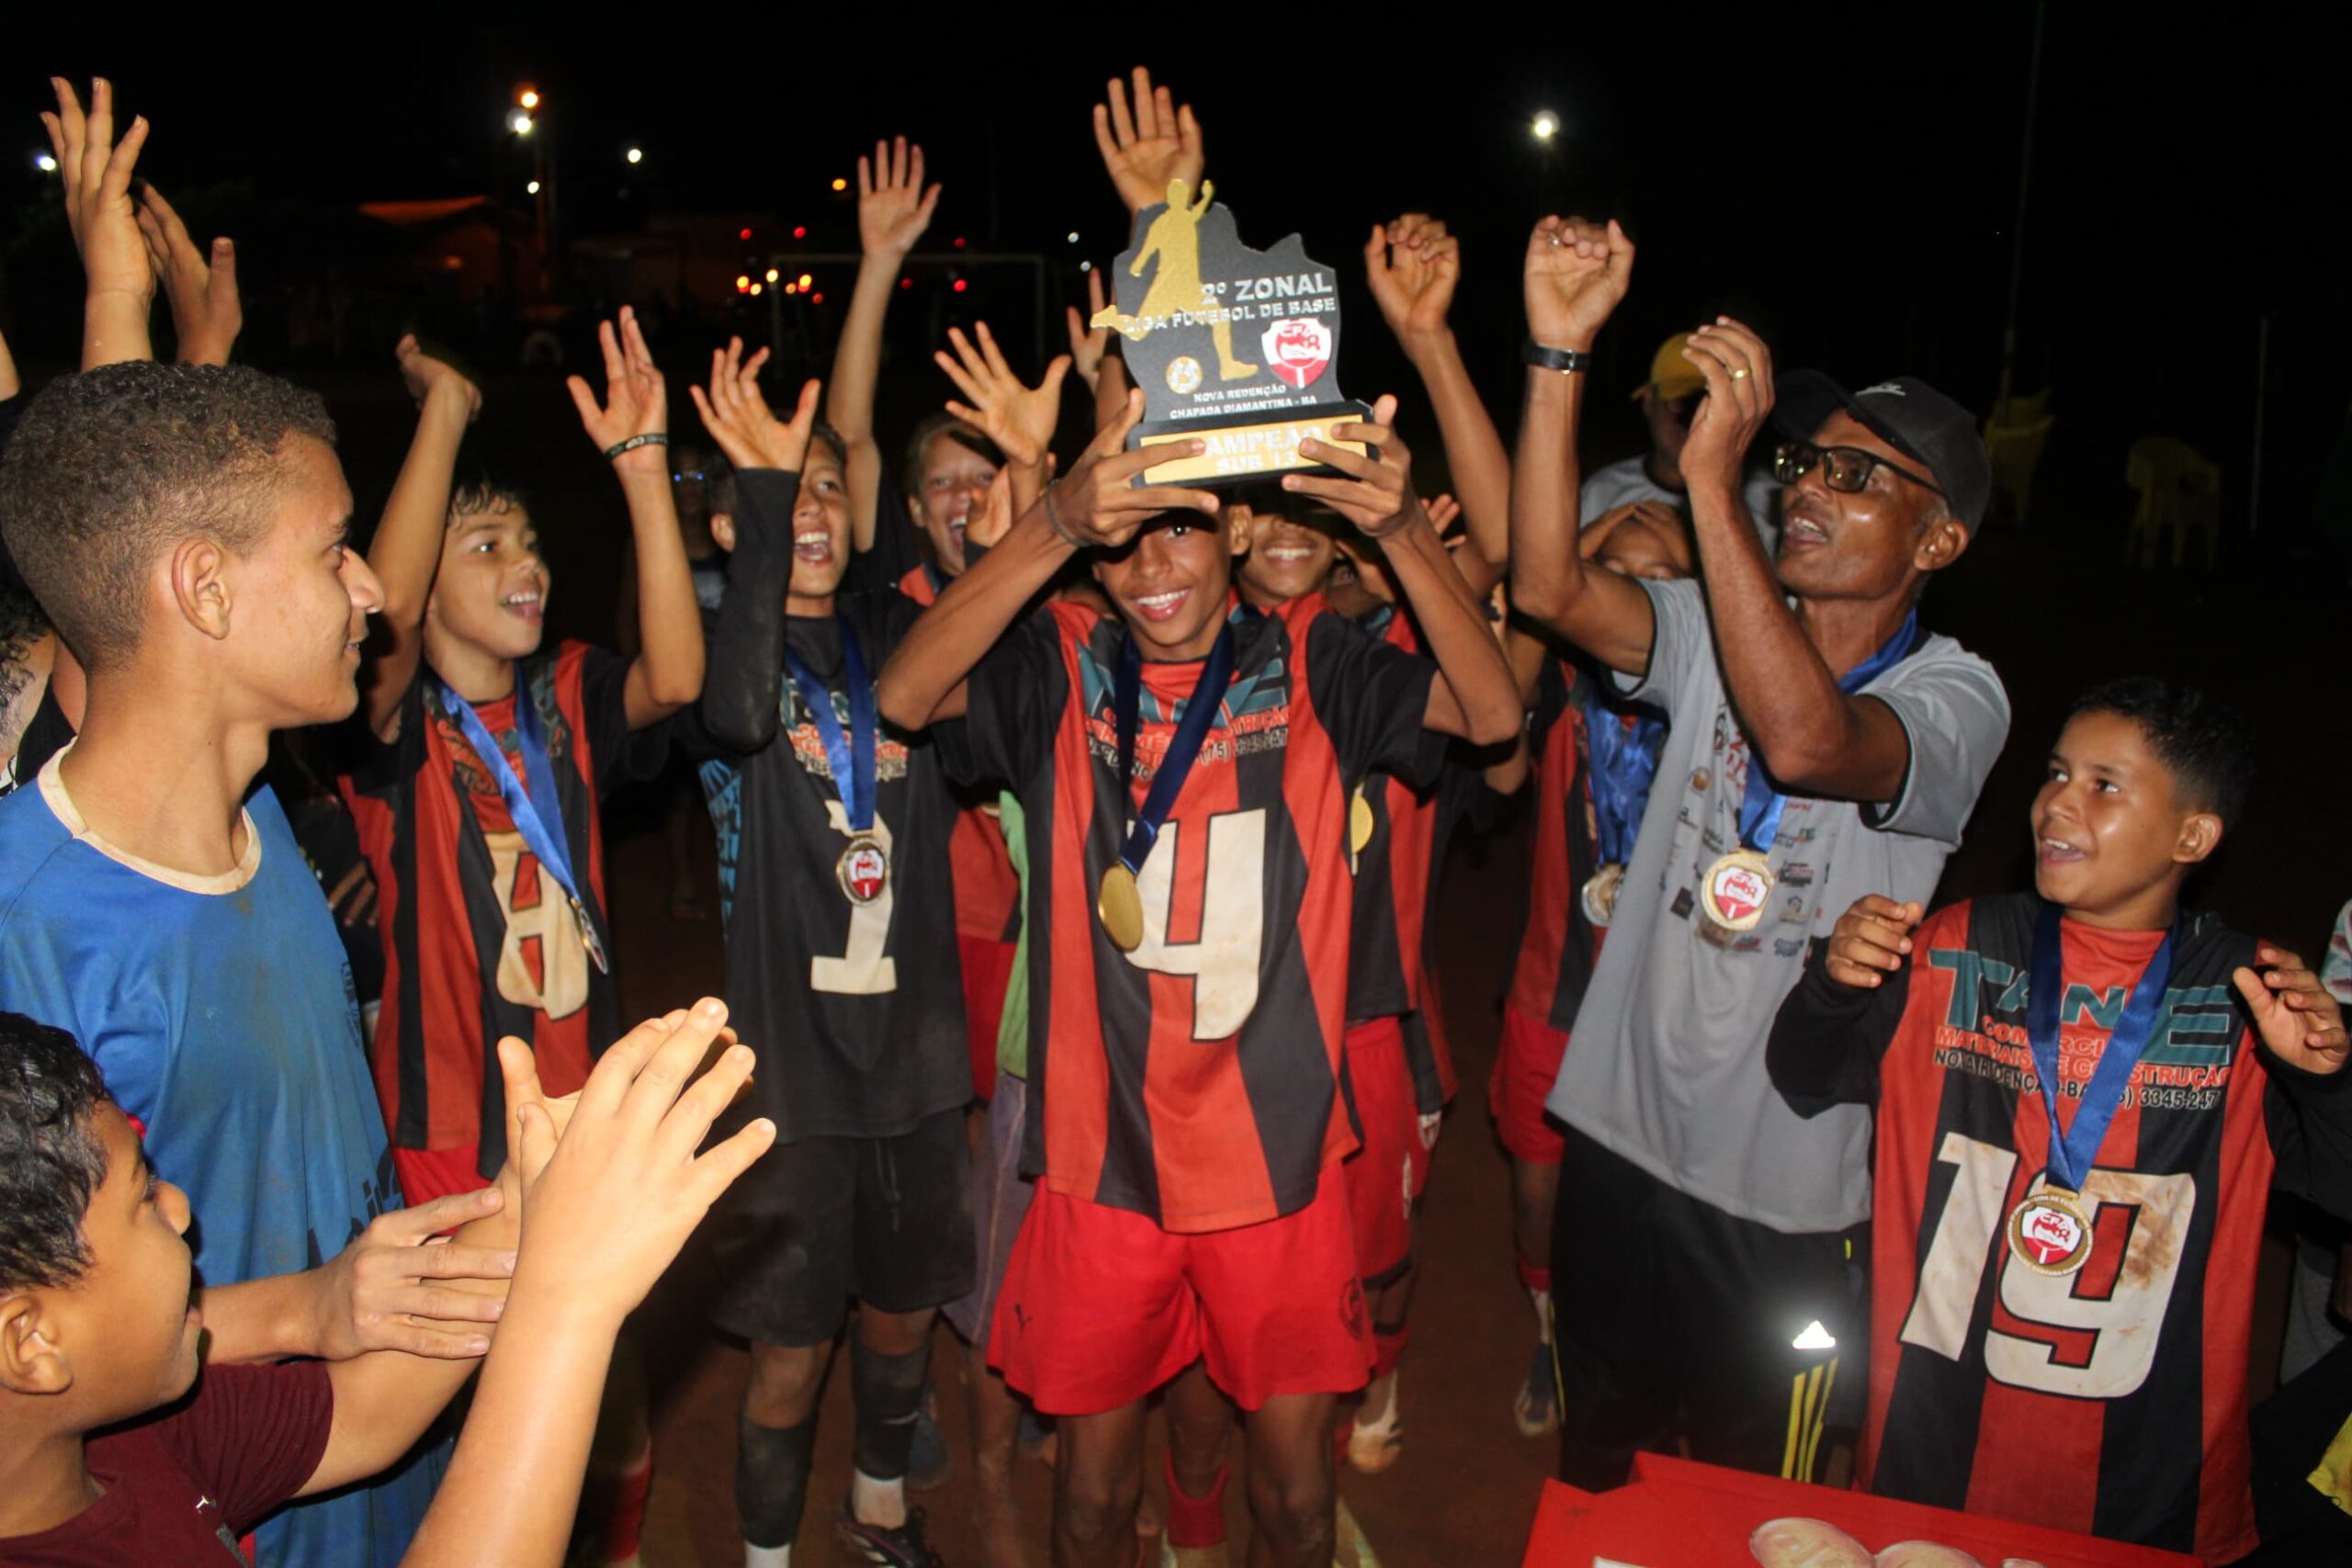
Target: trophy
column 1233, row 347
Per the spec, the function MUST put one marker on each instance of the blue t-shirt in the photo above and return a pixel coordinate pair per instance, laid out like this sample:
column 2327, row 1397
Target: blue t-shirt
column 220, row 1011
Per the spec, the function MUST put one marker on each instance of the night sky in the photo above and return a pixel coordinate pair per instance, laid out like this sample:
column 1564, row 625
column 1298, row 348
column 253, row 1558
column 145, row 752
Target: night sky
column 1846, row 179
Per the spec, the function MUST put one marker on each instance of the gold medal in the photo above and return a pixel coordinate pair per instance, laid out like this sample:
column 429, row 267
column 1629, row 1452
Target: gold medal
column 1601, row 893
column 864, row 869
column 1120, row 904
column 1360, row 823
column 1736, row 889
column 588, row 937
column 2049, row 1231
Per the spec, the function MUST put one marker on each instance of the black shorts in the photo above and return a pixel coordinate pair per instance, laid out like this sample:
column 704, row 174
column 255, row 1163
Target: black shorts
column 813, row 1224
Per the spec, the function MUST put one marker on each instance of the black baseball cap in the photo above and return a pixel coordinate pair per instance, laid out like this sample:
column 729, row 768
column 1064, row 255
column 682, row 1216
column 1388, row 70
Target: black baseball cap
column 1908, row 415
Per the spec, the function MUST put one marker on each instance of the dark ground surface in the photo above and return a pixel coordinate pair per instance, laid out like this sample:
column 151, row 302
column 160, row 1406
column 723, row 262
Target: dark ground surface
column 2053, row 607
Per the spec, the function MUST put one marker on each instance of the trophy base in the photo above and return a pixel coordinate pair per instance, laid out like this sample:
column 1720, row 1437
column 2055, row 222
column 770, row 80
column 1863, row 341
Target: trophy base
column 1243, row 451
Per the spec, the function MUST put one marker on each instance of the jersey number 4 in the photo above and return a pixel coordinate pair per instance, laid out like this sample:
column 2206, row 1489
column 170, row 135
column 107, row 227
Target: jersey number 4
column 1222, row 963
column 2121, row 1328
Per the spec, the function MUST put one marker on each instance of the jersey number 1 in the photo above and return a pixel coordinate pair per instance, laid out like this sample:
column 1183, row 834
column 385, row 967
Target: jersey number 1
column 2124, row 1324
column 1223, row 963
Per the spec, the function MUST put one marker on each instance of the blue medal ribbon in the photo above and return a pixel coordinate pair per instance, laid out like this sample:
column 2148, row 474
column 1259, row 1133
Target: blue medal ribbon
column 1624, row 761
column 1199, row 712
column 1760, row 807
column 538, row 812
column 2072, row 1149
column 848, row 757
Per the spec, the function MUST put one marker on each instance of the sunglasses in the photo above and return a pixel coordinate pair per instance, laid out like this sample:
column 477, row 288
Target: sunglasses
column 1845, row 469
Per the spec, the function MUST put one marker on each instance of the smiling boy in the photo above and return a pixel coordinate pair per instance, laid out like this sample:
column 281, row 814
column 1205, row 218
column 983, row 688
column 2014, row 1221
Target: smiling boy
column 1180, row 766
column 477, row 802
column 2062, row 1287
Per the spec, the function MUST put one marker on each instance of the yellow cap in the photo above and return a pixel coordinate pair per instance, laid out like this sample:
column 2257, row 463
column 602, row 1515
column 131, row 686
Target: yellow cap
column 1674, row 376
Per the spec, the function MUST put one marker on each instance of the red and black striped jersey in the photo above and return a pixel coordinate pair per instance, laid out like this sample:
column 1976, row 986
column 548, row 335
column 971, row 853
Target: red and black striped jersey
column 1408, row 822
column 1195, row 1078
column 987, row 890
column 1559, row 946
column 2112, row 1400
column 479, row 939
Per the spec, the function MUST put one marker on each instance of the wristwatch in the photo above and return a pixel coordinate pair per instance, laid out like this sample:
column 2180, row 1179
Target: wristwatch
column 1564, row 360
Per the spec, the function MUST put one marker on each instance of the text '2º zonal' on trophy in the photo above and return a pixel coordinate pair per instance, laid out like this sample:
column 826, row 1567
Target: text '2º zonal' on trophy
column 1233, row 347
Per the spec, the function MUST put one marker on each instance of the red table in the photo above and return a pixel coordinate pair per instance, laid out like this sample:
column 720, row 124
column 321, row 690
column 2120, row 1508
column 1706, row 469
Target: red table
column 1675, row 1513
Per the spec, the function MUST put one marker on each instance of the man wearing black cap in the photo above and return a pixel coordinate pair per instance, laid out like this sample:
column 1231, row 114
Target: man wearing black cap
column 1823, row 744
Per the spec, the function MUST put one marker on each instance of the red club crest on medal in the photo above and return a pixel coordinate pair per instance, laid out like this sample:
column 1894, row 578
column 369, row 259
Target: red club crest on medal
column 863, row 870
column 1296, row 351
column 2050, row 1233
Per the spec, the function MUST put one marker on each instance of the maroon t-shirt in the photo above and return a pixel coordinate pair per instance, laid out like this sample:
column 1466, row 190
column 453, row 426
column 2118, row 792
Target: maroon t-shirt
column 183, row 1486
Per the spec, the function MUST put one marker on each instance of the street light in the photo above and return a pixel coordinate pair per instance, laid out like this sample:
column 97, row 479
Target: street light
column 1546, row 126
column 840, row 184
column 46, row 163
column 636, row 154
column 532, row 188
column 519, row 123
column 529, row 98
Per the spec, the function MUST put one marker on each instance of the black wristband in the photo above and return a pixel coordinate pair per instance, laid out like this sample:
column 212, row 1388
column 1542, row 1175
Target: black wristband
column 650, row 438
column 1564, row 360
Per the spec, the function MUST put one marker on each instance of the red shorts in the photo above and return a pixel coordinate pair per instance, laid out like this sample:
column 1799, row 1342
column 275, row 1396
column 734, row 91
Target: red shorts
column 427, row 1174
column 1100, row 1306
column 988, row 969
column 1527, row 1064
column 1387, row 1174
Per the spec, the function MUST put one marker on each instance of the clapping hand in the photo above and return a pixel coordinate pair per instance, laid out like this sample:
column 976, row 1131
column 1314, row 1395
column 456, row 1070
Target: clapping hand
column 610, row 1199
column 739, row 420
column 96, row 169
column 206, row 313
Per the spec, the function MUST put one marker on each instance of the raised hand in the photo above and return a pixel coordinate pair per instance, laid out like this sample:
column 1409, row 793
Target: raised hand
column 1375, row 493
column 2293, row 1013
column 992, row 519
column 739, row 420
column 1098, row 502
column 1019, row 419
column 1738, row 369
column 1157, row 142
column 893, row 207
column 1576, row 272
column 207, row 314
column 384, row 1290
column 1088, row 344
column 430, row 379
column 1413, row 264
column 1444, row 513
column 637, row 402
column 95, row 171
column 609, row 1202
column 1870, row 941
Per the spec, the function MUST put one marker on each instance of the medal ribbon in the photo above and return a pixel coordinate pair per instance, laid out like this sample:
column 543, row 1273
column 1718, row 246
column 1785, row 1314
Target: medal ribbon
column 1199, row 712
column 1760, row 807
column 2072, row 1150
column 538, row 814
column 1624, row 760
column 849, row 757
